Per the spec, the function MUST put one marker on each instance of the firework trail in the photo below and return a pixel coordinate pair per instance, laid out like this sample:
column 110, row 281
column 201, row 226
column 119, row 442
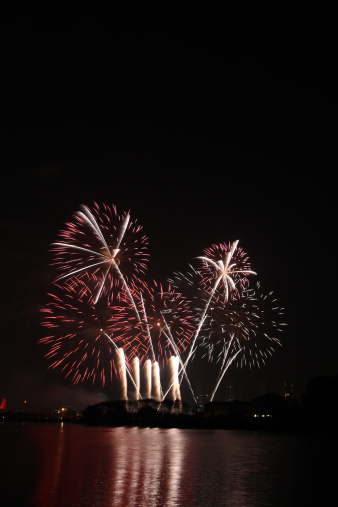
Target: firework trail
column 195, row 295
column 168, row 335
column 99, row 242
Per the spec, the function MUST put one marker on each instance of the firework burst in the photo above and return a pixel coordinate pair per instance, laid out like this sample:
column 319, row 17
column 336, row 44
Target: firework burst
column 226, row 267
column 100, row 243
column 82, row 335
column 250, row 321
column 162, row 326
column 223, row 266
column 243, row 331
column 103, row 317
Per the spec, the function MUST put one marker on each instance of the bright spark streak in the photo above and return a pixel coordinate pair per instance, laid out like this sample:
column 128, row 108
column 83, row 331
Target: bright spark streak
column 174, row 347
column 127, row 367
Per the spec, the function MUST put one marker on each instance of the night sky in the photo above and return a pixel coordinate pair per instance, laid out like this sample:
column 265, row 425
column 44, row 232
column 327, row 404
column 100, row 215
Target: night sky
column 208, row 127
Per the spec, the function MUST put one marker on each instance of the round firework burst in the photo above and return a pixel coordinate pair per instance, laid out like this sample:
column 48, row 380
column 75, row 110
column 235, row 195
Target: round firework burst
column 163, row 326
column 100, row 243
column 246, row 327
column 225, row 267
column 82, row 337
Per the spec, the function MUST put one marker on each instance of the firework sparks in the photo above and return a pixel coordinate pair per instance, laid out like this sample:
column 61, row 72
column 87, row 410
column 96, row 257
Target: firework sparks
column 217, row 267
column 251, row 319
column 147, row 375
column 121, row 364
column 242, row 331
column 77, row 342
column 226, row 264
column 175, row 386
column 165, row 323
column 103, row 244
column 135, row 367
column 103, row 317
column 156, row 383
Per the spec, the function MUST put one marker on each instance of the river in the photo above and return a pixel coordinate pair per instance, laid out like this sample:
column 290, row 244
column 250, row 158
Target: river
column 75, row 465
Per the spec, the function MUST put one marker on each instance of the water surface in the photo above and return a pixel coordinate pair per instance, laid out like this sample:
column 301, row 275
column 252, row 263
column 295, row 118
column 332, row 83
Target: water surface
column 74, row 465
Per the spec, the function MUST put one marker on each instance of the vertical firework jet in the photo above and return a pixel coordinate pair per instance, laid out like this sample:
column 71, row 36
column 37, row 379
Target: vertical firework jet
column 147, row 376
column 135, row 367
column 174, row 383
column 156, row 383
column 121, row 363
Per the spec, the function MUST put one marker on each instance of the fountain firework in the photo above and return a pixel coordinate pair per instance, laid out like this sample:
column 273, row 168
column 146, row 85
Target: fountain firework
column 121, row 363
column 135, row 367
column 156, row 383
column 147, row 375
column 174, row 383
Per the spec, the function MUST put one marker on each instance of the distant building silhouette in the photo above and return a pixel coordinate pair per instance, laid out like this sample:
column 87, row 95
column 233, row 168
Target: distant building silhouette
column 227, row 408
column 269, row 405
column 202, row 391
column 287, row 390
column 233, row 388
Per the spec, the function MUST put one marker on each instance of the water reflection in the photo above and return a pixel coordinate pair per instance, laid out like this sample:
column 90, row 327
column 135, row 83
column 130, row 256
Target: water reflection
column 146, row 466
column 70, row 465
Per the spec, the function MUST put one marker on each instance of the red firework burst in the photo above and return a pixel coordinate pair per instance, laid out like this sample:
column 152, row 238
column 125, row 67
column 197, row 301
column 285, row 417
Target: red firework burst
column 100, row 243
column 82, row 335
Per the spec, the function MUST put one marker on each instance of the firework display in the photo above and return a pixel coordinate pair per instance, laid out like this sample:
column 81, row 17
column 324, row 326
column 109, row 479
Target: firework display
column 78, row 328
column 161, row 326
column 105, row 320
column 100, row 242
column 228, row 265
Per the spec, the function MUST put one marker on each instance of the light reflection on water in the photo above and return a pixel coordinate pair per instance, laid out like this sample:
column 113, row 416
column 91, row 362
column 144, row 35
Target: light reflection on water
column 70, row 465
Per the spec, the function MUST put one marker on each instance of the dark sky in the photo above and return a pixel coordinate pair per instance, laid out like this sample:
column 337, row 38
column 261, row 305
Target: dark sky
column 209, row 127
